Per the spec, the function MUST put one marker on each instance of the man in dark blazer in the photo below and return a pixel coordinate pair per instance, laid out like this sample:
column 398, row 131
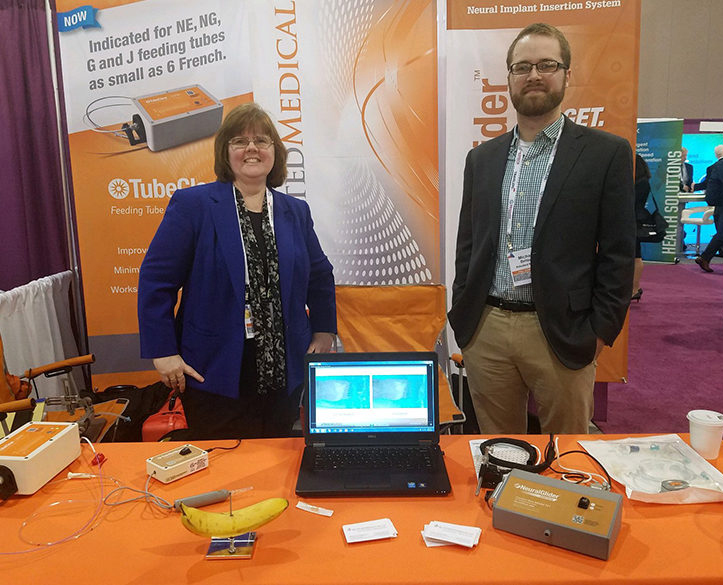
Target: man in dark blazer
column 713, row 186
column 686, row 172
column 545, row 251
column 686, row 186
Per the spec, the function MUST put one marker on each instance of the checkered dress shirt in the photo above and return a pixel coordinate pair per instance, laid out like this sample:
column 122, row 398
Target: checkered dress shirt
column 534, row 165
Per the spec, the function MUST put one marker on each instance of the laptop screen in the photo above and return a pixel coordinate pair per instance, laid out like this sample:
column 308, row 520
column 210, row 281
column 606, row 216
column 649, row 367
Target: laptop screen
column 372, row 393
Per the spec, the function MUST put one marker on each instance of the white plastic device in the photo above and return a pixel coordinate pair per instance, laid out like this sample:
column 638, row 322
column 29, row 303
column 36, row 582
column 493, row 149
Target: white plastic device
column 177, row 463
column 37, row 451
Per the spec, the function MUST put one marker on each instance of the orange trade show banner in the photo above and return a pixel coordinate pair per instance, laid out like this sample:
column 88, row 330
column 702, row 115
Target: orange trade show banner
column 604, row 38
column 352, row 87
column 146, row 84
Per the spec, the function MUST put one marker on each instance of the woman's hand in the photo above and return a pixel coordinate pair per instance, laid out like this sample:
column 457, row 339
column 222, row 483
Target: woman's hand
column 173, row 371
column 321, row 342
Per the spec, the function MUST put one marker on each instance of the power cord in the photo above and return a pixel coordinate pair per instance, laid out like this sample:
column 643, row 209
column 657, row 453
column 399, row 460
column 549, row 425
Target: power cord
column 238, row 442
column 579, row 476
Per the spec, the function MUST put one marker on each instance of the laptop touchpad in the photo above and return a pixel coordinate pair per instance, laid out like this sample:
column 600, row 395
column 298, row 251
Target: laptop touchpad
column 363, row 480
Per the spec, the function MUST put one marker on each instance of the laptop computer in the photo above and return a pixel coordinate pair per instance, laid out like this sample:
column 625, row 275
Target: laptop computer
column 362, row 411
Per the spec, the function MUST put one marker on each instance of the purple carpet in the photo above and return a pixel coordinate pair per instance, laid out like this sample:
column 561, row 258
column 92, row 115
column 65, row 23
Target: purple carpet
column 675, row 359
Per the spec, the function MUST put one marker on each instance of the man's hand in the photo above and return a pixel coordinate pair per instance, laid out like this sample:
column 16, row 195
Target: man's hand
column 173, row 371
column 321, row 342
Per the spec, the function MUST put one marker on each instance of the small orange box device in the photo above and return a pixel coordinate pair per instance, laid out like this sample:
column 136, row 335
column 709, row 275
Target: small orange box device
column 178, row 116
column 37, row 451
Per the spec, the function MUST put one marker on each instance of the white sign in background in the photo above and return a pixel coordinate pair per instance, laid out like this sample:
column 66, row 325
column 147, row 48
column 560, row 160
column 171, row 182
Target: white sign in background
column 477, row 109
column 312, row 61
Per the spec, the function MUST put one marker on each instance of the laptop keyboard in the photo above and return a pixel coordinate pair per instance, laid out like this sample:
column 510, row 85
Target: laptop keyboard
column 403, row 458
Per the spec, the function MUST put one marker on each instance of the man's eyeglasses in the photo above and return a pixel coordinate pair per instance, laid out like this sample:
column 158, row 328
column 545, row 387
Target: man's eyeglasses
column 543, row 67
column 242, row 142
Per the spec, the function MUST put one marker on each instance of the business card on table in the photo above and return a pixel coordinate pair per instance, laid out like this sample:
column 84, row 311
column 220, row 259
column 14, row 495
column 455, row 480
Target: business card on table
column 440, row 533
column 430, row 542
column 372, row 530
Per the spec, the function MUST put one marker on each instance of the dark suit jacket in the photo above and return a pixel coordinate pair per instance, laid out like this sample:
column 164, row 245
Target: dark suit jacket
column 198, row 247
column 583, row 244
column 689, row 171
column 713, row 184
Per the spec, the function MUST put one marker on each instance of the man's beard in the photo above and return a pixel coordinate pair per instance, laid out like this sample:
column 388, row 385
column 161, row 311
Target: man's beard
column 537, row 104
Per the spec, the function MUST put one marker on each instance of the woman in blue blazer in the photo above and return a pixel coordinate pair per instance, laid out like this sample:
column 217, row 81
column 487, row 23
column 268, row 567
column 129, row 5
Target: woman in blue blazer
column 248, row 263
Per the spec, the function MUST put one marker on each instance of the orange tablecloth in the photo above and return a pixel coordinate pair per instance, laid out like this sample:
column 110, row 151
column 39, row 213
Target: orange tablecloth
column 136, row 544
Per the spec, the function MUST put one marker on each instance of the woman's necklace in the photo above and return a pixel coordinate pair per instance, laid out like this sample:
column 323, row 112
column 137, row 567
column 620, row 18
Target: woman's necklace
column 255, row 202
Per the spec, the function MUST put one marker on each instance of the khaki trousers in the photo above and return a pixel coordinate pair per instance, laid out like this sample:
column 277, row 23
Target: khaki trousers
column 507, row 359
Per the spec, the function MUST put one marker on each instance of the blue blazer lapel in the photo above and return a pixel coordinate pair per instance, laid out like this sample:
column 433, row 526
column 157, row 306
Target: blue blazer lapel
column 225, row 219
column 568, row 151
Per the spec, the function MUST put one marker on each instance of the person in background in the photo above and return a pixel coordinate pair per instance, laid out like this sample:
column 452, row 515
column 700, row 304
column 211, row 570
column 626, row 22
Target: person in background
column 713, row 186
column 686, row 184
column 642, row 190
column 686, row 172
column 544, row 266
column 248, row 264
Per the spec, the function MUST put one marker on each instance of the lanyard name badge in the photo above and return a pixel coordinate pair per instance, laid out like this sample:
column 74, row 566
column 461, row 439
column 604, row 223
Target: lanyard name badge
column 520, row 261
column 248, row 313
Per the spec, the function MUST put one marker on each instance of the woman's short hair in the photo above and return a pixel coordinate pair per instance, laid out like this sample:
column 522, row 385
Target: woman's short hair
column 542, row 29
column 248, row 116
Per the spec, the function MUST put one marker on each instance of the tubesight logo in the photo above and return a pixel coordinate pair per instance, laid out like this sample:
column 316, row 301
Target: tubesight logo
column 139, row 189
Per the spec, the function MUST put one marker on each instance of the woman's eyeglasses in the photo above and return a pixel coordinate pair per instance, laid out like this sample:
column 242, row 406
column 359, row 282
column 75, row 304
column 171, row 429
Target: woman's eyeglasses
column 243, row 142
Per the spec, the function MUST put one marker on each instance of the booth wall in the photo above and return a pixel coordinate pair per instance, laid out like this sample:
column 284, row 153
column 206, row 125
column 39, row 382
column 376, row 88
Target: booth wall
column 680, row 48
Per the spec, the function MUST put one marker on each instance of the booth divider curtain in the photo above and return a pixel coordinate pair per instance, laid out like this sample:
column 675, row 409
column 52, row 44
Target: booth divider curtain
column 33, row 239
column 35, row 325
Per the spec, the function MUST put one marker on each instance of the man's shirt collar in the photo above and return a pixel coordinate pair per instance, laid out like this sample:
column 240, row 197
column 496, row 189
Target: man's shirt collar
column 550, row 132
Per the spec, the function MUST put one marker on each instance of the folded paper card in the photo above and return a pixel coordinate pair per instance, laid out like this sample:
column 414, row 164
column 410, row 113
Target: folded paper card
column 441, row 533
column 372, row 530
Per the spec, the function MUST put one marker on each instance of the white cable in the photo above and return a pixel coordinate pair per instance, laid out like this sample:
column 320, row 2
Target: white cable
column 587, row 474
column 95, row 127
column 145, row 494
column 539, row 453
column 87, row 527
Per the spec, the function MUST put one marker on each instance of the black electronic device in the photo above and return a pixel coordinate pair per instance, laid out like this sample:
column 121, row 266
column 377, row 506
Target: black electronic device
column 518, row 454
column 371, row 408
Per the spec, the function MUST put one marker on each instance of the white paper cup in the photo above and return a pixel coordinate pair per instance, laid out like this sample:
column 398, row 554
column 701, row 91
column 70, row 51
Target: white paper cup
column 706, row 432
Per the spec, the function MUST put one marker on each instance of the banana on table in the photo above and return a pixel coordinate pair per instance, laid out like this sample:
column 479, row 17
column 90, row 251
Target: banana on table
column 225, row 525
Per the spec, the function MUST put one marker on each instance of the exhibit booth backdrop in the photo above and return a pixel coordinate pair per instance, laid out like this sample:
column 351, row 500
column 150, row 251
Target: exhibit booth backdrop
column 351, row 85
column 354, row 89
column 602, row 93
